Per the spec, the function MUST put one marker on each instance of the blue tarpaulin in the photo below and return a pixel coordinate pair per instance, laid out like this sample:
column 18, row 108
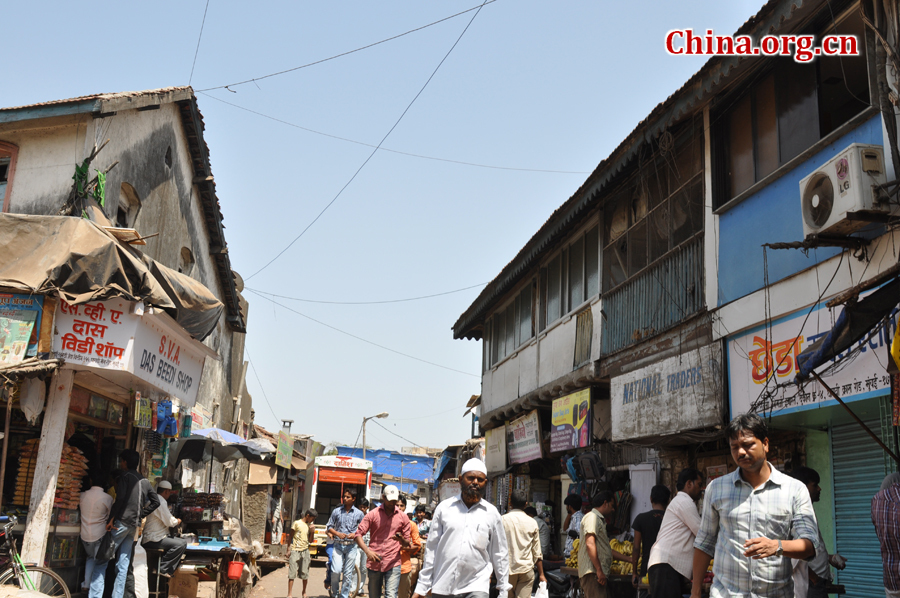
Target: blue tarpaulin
column 386, row 462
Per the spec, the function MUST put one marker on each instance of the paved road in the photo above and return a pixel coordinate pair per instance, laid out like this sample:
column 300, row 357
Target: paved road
column 274, row 584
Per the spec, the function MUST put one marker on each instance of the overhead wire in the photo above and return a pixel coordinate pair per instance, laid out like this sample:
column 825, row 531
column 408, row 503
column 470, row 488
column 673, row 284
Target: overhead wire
column 374, row 151
column 197, row 51
column 367, row 302
column 397, row 435
column 265, row 396
column 359, row 338
column 393, row 151
column 342, row 54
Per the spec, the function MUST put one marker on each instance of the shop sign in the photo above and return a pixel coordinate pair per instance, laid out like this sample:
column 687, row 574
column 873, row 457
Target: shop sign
column 679, row 393
column 341, row 461
column 449, row 489
column 571, row 422
column 523, row 439
column 759, row 360
column 20, row 322
column 495, row 449
column 106, row 335
column 284, row 451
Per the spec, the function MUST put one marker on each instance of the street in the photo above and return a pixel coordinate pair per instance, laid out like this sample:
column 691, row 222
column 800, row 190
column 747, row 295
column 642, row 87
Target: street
column 274, row 583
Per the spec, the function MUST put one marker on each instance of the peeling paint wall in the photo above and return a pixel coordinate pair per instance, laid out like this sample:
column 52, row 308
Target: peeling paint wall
column 256, row 507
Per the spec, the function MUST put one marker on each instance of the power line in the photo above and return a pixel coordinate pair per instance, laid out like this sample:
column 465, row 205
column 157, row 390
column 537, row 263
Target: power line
column 406, row 419
column 358, row 170
column 359, row 338
column 197, row 51
column 397, row 435
column 367, row 302
column 265, row 396
column 297, row 68
column 384, row 149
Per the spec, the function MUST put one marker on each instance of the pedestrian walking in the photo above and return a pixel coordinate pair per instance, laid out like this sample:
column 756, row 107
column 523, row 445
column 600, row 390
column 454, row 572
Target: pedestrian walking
column 646, row 528
column 671, row 561
column 466, row 543
column 572, row 523
column 361, row 556
column 886, row 518
column 408, row 561
column 755, row 520
column 342, row 526
column 543, row 530
column 422, row 521
column 812, row 577
column 302, row 533
column 95, row 505
column 595, row 555
column 389, row 531
column 523, row 539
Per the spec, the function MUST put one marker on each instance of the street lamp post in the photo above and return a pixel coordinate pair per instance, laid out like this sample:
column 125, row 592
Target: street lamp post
column 381, row 415
column 401, row 472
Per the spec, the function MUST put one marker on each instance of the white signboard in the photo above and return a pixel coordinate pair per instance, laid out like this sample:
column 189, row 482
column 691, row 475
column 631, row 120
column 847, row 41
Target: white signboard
column 107, row 335
column 675, row 394
column 495, row 449
column 755, row 357
column 448, row 489
column 523, row 439
column 340, row 461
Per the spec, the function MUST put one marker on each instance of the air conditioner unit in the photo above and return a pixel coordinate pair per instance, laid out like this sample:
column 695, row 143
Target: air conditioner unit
column 838, row 198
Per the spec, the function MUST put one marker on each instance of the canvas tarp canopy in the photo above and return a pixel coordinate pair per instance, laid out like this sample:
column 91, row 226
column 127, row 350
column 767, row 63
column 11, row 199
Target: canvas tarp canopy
column 81, row 262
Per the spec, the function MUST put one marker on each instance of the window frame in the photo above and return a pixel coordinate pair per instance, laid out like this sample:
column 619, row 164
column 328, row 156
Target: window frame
column 503, row 342
column 566, row 304
column 11, row 151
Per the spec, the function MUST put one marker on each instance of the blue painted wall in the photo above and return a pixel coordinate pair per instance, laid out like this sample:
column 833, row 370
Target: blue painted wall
column 772, row 215
column 388, row 462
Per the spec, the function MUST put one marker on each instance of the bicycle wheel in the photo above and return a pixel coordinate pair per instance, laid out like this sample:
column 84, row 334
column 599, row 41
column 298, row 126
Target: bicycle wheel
column 45, row 581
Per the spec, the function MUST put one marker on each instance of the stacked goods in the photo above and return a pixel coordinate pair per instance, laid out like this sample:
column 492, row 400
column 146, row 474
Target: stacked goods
column 572, row 561
column 621, row 567
column 72, row 468
column 194, row 503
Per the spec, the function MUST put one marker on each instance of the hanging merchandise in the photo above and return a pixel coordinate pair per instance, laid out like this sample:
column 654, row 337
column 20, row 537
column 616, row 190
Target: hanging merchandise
column 32, row 398
column 153, row 441
column 187, row 425
column 142, row 416
column 153, row 415
column 166, row 422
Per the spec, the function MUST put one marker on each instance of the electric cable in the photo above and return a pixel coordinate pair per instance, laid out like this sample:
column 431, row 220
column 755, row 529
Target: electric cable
column 384, row 149
column 359, row 338
column 366, row 302
column 374, row 151
column 297, row 68
column 397, row 435
column 265, row 396
column 197, row 51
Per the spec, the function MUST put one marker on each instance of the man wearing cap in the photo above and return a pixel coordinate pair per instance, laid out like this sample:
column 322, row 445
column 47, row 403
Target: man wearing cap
column 389, row 530
column 466, row 543
column 156, row 532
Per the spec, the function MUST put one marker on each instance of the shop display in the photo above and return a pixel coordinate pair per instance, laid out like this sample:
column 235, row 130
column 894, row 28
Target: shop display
column 200, row 506
column 626, row 548
column 72, row 468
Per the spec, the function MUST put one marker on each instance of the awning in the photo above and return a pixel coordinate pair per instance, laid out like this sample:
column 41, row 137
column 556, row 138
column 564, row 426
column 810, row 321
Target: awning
column 299, row 464
column 82, row 262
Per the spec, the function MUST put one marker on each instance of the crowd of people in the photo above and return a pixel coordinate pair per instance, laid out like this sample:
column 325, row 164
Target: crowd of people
column 757, row 522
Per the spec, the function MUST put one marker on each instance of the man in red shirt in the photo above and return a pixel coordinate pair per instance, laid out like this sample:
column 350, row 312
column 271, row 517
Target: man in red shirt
column 388, row 530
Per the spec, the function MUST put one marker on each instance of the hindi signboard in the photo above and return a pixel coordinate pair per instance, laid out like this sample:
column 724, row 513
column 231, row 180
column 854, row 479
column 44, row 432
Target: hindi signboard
column 757, row 360
column 284, row 451
column 571, row 422
column 523, row 438
column 495, row 449
column 20, row 320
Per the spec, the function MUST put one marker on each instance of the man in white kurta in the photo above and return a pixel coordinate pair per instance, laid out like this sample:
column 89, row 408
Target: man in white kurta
column 156, row 533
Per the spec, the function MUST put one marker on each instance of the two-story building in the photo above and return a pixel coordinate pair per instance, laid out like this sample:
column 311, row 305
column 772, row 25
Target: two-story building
column 646, row 312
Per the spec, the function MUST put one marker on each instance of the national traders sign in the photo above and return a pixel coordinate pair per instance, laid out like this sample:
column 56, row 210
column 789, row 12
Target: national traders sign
column 108, row 335
column 679, row 393
column 761, row 360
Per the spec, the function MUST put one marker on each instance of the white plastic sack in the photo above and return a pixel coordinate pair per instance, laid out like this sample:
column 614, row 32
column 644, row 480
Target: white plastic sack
column 542, row 591
column 34, row 392
column 141, row 584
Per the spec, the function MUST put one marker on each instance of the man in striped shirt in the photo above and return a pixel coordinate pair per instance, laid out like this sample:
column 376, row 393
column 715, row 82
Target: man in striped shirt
column 886, row 517
column 755, row 520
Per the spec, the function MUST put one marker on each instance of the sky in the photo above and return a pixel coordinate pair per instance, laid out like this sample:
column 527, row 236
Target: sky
column 487, row 122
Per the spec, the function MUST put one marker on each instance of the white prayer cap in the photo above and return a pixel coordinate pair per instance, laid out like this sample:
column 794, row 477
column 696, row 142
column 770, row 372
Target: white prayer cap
column 164, row 485
column 473, row 465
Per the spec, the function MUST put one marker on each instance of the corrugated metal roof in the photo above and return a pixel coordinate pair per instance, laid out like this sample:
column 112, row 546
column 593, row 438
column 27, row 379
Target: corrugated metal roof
column 695, row 91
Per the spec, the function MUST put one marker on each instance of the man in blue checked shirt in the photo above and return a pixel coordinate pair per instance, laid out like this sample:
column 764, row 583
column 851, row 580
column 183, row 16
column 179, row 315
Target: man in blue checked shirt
column 342, row 526
column 755, row 520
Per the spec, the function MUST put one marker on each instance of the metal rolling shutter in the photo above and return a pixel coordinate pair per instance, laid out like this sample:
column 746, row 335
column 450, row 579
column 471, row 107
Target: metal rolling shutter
column 859, row 468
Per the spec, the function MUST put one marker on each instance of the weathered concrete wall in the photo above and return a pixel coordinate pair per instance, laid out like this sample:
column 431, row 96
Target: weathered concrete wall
column 256, row 507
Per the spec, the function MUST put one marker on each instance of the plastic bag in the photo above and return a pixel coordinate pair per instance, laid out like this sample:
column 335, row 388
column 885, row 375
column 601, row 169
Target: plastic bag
column 34, row 392
column 542, row 591
column 141, row 583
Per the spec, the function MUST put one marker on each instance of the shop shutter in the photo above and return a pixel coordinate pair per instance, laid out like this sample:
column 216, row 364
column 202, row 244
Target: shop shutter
column 859, row 469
